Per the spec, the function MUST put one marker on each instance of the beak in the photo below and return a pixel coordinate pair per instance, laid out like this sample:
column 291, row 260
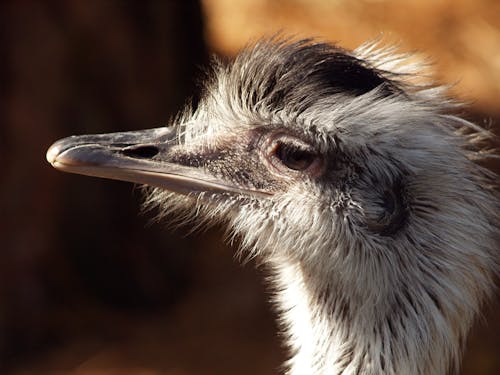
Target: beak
column 142, row 157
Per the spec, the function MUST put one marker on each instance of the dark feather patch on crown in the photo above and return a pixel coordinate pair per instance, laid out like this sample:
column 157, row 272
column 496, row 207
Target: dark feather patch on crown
column 279, row 73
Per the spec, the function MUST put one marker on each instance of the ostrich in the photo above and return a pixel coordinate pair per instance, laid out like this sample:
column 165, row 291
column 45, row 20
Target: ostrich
column 353, row 181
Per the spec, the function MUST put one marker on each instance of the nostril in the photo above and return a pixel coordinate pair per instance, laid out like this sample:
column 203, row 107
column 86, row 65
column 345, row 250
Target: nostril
column 143, row 152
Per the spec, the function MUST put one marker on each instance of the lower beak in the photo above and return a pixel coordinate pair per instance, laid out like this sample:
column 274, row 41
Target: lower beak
column 142, row 157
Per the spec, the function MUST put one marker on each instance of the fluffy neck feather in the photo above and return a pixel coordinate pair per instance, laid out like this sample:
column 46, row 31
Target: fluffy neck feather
column 332, row 331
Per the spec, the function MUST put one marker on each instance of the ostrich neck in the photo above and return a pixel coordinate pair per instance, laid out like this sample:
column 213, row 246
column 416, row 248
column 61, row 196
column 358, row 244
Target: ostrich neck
column 330, row 332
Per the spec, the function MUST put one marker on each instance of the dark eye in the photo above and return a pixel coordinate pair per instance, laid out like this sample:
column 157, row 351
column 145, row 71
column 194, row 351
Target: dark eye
column 294, row 157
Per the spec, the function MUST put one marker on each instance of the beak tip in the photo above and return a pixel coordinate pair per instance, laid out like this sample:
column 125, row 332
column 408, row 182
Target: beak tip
column 52, row 153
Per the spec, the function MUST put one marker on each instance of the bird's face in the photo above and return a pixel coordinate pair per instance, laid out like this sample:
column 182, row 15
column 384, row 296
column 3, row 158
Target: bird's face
column 290, row 139
column 267, row 150
column 270, row 181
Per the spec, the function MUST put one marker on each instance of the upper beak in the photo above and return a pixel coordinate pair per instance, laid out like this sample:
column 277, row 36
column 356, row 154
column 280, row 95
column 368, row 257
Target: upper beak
column 138, row 156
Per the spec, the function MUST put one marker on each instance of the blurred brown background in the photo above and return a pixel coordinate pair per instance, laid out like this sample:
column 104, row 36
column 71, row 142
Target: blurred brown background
column 87, row 286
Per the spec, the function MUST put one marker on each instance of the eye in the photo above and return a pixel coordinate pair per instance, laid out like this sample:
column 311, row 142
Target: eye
column 294, row 157
column 291, row 155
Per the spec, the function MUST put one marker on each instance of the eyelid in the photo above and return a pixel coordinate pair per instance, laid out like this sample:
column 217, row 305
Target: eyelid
column 285, row 139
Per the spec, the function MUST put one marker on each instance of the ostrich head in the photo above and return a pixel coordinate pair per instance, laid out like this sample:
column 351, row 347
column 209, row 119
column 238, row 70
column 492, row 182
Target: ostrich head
column 353, row 183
